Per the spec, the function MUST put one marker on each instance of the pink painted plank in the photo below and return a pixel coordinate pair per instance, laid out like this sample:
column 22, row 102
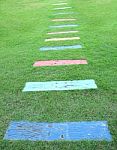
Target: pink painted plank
column 59, row 62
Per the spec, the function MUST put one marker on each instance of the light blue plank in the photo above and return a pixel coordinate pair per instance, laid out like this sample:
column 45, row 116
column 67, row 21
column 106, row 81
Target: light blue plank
column 64, row 26
column 60, row 47
column 36, row 131
column 60, row 85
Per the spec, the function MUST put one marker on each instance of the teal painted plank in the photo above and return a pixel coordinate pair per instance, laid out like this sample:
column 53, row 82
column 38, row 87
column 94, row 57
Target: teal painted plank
column 60, row 85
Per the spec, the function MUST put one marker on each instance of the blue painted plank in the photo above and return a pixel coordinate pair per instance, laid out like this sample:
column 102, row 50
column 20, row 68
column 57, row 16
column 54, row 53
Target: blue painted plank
column 35, row 131
column 95, row 130
column 60, row 47
column 64, row 26
column 60, row 85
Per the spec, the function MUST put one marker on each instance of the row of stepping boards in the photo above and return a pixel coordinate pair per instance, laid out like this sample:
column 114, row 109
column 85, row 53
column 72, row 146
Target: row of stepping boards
column 85, row 130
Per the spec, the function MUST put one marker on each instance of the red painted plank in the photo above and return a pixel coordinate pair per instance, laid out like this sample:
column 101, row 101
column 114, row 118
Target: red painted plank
column 59, row 62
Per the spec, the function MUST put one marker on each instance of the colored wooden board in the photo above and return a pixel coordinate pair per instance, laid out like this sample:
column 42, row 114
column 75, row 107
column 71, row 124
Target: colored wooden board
column 65, row 26
column 63, row 13
column 73, row 131
column 60, row 20
column 62, row 8
column 59, row 62
column 60, row 85
column 62, row 32
column 62, row 39
column 60, row 47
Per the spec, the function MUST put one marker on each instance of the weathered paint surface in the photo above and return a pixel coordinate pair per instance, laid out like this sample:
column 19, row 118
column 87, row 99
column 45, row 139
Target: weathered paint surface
column 36, row 131
column 64, row 13
column 59, row 62
column 60, row 85
column 60, row 47
column 64, row 26
column 62, row 39
column 62, row 8
column 62, row 32
column 59, row 20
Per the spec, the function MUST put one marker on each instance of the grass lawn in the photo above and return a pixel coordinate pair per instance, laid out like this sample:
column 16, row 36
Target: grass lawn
column 23, row 28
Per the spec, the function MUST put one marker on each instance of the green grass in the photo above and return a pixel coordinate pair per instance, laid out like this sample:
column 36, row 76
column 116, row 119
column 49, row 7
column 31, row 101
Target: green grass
column 23, row 28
